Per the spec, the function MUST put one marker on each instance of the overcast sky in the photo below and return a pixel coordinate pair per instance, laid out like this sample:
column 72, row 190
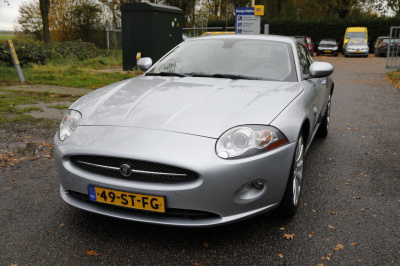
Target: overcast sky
column 9, row 14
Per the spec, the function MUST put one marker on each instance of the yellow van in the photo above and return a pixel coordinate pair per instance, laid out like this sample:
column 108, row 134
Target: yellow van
column 355, row 32
column 217, row 33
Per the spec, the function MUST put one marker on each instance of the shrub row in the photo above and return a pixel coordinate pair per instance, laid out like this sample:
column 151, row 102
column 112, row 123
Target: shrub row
column 333, row 28
column 38, row 53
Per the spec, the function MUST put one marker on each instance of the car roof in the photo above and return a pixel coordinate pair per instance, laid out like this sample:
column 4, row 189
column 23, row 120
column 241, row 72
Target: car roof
column 279, row 38
column 328, row 40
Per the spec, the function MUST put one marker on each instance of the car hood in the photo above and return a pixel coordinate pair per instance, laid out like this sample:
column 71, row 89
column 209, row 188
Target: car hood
column 191, row 105
column 357, row 46
column 326, row 46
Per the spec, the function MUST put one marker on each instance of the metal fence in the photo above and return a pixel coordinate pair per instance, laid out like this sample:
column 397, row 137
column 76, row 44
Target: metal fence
column 114, row 43
column 393, row 58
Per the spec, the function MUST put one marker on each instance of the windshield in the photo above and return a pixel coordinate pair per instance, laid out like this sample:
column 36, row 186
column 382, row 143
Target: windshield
column 327, row 42
column 350, row 35
column 391, row 40
column 357, row 41
column 253, row 59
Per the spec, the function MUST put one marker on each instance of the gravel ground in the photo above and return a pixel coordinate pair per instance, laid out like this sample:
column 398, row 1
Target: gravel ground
column 350, row 211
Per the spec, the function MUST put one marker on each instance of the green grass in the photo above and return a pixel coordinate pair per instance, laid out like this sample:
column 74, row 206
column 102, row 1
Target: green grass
column 70, row 73
column 394, row 77
column 10, row 113
column 4, row 38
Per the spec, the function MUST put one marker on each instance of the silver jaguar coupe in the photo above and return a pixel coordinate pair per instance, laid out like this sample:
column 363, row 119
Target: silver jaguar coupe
column 214, row 132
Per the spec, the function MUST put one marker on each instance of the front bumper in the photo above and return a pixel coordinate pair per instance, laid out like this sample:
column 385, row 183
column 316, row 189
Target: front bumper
column 357, row 53
column 221, row 189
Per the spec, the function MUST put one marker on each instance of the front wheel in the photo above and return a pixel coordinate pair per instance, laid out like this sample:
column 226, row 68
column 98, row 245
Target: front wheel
column 324, row 126
column 291, row 198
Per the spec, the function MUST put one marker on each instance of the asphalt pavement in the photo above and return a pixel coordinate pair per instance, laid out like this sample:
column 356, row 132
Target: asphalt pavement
column 349, row 213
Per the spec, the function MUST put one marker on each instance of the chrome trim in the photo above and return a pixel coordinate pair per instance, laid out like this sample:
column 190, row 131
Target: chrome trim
column 99, row 165
column 133, row 171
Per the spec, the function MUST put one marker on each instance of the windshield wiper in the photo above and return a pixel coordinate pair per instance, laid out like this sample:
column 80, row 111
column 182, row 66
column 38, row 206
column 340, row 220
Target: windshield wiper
column 227, row 76
column 168, row 74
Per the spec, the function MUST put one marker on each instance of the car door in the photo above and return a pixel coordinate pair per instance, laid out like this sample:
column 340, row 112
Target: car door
column 315, row 85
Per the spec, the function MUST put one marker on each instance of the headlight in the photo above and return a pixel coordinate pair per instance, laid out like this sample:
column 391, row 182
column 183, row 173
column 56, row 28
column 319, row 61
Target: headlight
column 248, row 140
column 320, row 48
column 334, row 49
column 69, row 123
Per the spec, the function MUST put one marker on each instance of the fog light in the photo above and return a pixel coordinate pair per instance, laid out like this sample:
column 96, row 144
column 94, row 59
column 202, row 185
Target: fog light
column 258, row 184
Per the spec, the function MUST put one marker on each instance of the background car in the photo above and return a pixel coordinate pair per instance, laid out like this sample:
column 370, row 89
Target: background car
column 377, row 41
column 310, row 46
column 386, row 44
column 302, row 40
column 328, row 47
column 215, row 132
column 356, row 47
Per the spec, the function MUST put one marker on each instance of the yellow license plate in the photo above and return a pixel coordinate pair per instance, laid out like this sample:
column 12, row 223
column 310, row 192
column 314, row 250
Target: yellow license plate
column 127, row 199
column 358, row 52
column 328, row 51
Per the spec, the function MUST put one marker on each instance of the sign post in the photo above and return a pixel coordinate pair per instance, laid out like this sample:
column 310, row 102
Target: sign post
column 248, row 20
column 15, row 60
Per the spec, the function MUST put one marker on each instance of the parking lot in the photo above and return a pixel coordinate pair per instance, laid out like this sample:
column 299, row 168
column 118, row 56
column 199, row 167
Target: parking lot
column 349, row 214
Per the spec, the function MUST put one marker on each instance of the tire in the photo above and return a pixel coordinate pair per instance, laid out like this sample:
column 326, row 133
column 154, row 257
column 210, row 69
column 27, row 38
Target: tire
column 324, row 126
column 291, row 198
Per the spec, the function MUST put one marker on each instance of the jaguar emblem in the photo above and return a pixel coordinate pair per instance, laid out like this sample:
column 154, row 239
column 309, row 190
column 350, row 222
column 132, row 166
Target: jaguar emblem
column 125, row 170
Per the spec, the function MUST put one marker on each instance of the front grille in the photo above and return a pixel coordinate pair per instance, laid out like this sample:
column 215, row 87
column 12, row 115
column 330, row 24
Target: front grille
column 169, row 212
column 142, row 171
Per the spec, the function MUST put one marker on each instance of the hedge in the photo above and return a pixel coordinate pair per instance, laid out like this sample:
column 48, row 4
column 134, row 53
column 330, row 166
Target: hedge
column 334, row 28
column 38, row 53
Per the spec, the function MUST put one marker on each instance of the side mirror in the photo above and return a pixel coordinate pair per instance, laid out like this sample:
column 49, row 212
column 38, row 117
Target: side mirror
column 320, row 69
column 144, row 63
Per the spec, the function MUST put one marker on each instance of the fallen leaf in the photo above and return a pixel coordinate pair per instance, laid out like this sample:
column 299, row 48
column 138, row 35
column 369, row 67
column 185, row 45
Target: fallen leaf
column 310, row 235
column 332, row 213
column 322, row 258
column 328, row 258
column 282, row 228
column 196, row 264
column 320, row 264
column 288, row 236
column 280, row 255
column 354, row 244
column 165, row 252
column 313, row 210
column 338, row 247
column 331, row 227
column 356, row 198
column 62, row 224
column 206, row 244
column 92, row 253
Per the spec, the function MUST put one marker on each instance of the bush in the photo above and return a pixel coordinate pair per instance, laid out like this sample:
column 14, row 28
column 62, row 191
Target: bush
column 34, row 52
column 27, row 52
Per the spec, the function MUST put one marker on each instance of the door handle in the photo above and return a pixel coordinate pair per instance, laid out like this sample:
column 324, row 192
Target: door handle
column 315, row 110
column 323, row 82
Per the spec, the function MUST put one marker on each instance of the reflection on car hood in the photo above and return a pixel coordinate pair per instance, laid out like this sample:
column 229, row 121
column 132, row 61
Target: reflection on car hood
column 192, row 105
column 328, row 46
column 357, row 46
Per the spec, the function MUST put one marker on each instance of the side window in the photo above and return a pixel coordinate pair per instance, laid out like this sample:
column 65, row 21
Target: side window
column 304, row 58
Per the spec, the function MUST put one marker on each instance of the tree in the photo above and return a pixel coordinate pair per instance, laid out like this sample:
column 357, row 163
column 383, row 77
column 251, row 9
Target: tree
column 44, row 11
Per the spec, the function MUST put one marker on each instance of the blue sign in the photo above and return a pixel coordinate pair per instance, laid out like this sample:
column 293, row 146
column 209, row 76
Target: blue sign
column 246, row 22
